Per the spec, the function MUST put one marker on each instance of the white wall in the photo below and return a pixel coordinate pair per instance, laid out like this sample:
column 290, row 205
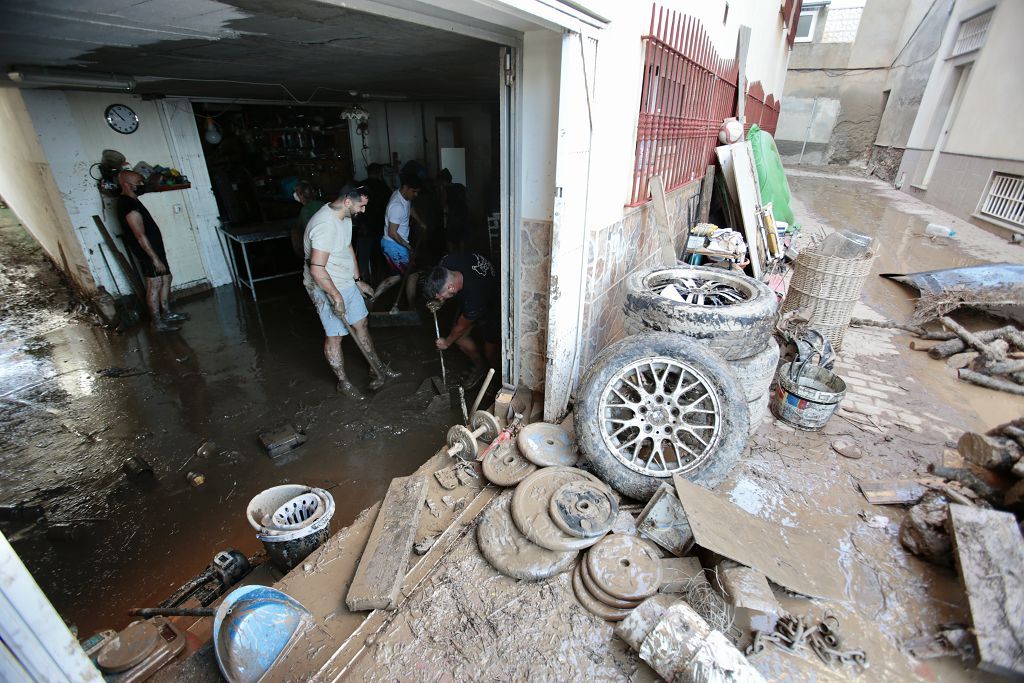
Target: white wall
column 73, row 134
column 988, row 123
column 28, row 186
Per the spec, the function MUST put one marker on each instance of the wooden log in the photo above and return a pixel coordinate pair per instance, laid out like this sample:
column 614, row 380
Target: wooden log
column 989, row 554
column 1005, row 367
column 988, row 352
column 962, row 360
column 990, row 382
column 1000, row 429
column 1014, row 498
column 916, row 330
column 948, row 348
column 385, row 558
column 1014, row 432
column 968, row 479
column 990, row 452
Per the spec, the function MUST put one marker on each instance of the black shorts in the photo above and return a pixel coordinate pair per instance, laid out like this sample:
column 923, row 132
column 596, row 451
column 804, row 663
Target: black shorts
column 490, row 328
column 146, row 263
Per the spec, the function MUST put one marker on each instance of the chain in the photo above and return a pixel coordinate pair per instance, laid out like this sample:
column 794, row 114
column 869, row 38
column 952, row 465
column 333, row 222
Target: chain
column 793, row 633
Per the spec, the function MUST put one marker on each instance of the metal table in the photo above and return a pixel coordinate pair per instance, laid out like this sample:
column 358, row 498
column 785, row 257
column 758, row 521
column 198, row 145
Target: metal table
column 244, row 235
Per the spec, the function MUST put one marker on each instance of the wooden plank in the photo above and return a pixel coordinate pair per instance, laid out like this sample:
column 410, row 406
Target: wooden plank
column 749, row 202
column 126, row 268
column 662, row 224
column 705, row 194
column 989, row 553
column 385, row 558
column 892, row 491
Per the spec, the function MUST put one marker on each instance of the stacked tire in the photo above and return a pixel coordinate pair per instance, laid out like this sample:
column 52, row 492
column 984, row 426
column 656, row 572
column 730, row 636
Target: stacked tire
column 730, row 313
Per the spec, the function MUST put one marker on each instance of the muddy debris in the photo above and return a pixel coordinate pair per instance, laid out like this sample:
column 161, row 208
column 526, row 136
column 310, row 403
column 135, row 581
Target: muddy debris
column 923, row 531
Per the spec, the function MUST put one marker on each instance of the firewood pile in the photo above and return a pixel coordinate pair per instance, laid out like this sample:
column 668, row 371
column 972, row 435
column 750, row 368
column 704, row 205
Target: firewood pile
column 990, row 358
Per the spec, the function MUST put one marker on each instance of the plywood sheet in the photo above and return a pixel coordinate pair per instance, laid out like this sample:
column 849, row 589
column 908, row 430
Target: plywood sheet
column 789, row 556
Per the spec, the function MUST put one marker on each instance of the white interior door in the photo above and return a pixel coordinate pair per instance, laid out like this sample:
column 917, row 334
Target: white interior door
column 568, row 241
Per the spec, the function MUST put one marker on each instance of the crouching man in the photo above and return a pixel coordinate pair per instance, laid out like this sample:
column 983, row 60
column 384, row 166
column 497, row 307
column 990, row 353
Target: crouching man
column 331, row 276
column 470, row 280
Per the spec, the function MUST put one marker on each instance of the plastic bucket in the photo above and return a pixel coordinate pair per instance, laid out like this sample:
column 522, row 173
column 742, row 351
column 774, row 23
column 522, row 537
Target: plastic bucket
column 808, row 400
column 291, row 521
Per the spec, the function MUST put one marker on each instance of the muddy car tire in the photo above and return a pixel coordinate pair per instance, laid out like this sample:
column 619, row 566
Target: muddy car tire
column 757, row 410
column 757, row 372
column 734, row 331
column 657, row 404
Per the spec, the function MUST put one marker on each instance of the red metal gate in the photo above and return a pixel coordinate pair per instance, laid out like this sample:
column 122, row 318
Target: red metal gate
column 688, row 90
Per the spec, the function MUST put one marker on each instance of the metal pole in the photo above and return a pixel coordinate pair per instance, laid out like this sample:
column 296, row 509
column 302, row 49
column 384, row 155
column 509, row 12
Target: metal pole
column 807, row 133
column 440, row 353
column 483, row 388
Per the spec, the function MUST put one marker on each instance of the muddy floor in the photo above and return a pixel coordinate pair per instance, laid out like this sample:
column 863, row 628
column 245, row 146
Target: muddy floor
column 903, row 409
column 77, row 401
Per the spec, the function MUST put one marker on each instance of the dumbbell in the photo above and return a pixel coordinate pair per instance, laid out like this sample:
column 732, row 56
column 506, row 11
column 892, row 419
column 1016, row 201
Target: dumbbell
column 462, row 442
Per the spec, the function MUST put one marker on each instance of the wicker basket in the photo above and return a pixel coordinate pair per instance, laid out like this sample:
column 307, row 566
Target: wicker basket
column 827, row 288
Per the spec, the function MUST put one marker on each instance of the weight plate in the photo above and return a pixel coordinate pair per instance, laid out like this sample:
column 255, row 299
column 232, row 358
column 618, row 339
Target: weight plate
column 531, row 504
column 505, row 465
column 583, row 509
column 511, row 553
column 460, row 435
column 482, row 418
column 625, row 567
column 130, row 648
column 592, row 604
column 595, row 591
column 548, row 445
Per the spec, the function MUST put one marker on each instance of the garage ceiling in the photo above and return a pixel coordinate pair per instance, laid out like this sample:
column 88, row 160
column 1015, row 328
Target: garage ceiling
column 262, row 49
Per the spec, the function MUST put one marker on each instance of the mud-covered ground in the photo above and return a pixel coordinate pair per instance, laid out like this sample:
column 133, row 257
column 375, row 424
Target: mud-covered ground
column 110, row 541
column 903, row 410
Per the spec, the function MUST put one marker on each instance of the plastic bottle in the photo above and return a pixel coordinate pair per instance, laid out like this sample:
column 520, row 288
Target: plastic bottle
column 936, row 230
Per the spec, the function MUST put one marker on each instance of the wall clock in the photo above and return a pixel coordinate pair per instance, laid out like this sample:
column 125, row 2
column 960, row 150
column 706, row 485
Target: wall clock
column 122, row 118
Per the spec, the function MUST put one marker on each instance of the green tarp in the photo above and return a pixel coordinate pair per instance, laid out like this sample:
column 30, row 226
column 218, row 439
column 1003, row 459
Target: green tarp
column 771, row 175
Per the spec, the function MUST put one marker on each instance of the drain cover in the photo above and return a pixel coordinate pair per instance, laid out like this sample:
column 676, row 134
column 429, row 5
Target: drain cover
column 130, row 648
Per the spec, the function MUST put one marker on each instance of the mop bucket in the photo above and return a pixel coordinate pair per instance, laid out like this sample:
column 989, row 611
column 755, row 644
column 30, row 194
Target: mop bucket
column 292, row 521
column 806, row 396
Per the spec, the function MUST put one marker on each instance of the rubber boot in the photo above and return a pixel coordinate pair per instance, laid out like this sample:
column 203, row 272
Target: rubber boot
column 381, row 372
column 345, row 387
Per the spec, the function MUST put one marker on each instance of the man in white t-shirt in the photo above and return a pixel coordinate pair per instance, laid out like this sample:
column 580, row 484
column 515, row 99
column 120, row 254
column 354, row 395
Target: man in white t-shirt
column 395, row 243
column 331, row 276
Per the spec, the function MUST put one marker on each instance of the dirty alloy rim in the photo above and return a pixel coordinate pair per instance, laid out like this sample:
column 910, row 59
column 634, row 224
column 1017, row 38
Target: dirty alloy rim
column 699, row 290
column 660, row 416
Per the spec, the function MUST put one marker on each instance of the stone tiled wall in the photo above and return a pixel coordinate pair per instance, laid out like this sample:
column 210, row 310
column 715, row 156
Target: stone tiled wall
column 535, row 272
column 614, row 252
column 626, row 246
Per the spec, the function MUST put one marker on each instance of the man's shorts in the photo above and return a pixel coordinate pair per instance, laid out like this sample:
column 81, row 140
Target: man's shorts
column 355, row 309
column 397, row 256
column 146, row 263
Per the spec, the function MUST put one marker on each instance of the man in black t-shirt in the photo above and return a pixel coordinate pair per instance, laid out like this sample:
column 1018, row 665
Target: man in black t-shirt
column 144, row 240
column 471, row 280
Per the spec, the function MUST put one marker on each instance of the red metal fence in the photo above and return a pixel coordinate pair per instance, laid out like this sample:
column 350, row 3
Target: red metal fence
column 764, row 111
column 688, row 90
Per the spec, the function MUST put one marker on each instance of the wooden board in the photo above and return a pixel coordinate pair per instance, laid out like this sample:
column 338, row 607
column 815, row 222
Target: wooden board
column 749, row 202
column 792, row 557
column 385, row 558
column 989, row 553
column 705, row 194
column 892, row 491
column 662, row 224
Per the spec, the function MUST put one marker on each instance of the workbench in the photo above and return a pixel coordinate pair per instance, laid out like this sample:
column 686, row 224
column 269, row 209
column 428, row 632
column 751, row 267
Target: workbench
column 244, row 235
